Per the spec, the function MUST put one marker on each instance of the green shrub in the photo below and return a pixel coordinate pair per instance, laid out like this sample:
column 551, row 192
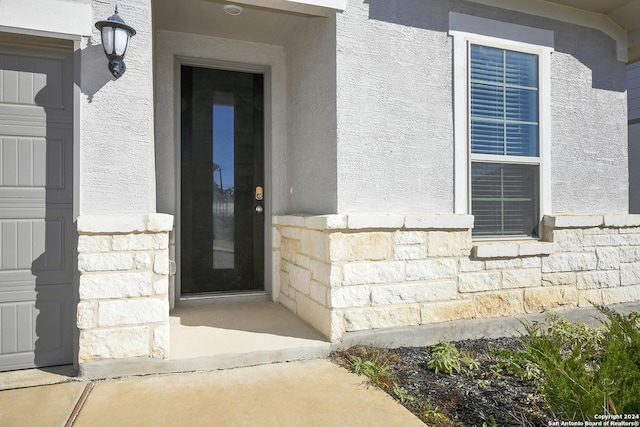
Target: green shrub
column 620, row 366
column 445, row 357
column 362, row 367
column 586, row 371
column 374, row 364
column 515, row 363
column 402, row 394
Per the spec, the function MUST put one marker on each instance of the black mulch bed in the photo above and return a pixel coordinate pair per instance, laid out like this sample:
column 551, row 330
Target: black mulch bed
column 488, row 396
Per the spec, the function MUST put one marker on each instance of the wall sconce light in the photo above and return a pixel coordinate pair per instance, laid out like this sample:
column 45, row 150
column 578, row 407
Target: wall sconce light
column 115, row 41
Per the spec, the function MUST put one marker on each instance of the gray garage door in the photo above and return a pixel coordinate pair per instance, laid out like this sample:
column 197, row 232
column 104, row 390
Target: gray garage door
column 36, row 224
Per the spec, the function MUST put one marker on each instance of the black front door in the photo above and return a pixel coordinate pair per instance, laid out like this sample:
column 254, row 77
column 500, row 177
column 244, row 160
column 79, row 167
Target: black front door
column 222, row 159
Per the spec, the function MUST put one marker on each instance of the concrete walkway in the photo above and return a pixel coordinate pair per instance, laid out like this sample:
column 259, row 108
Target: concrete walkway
column 306, row 393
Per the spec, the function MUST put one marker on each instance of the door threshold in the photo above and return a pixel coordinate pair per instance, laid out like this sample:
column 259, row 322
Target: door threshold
column 223, row 298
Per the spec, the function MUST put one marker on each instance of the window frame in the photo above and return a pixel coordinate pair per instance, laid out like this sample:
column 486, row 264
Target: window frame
column 469, row 30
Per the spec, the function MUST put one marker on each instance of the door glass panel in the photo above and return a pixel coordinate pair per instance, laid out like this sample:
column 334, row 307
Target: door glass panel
column 223, row 186
column 222, row 225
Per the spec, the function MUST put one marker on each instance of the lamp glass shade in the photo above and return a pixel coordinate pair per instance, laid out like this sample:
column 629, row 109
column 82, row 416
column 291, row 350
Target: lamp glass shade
column 107, row 40
column 121, row 41
column 115, row 40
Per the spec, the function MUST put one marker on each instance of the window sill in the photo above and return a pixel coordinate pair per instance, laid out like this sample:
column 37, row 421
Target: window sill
column 512, row 249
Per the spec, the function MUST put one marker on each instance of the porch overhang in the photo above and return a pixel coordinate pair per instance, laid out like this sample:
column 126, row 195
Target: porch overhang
column 616, row 18
column 62, row 19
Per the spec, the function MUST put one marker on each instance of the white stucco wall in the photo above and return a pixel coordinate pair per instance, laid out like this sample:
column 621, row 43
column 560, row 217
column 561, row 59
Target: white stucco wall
column 589, row 123
column 395, row 126
column 117, row 172
column 395, row 122
column 311, row 119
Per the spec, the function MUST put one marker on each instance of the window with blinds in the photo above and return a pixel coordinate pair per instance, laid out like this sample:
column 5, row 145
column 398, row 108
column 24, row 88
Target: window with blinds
column 504, row 141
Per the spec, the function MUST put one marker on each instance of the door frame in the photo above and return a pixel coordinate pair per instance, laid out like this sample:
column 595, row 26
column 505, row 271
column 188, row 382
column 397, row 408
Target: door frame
column 265, row 70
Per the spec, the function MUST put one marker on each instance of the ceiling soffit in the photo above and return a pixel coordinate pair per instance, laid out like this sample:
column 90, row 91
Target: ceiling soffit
column 616, row 18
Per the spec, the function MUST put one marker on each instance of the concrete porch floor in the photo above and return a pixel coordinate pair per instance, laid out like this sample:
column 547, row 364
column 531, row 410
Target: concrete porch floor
column 224, row 333
column 238, row 328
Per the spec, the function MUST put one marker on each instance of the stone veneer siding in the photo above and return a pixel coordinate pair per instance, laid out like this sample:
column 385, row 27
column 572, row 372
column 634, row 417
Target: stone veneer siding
column 343, row 273
column 124, row 279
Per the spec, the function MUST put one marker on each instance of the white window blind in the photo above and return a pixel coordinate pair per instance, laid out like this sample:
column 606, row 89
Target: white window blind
column 504, row 141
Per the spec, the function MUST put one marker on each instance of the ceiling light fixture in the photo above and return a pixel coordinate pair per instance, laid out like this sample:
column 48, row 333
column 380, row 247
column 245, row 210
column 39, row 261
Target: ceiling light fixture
column 233, row 9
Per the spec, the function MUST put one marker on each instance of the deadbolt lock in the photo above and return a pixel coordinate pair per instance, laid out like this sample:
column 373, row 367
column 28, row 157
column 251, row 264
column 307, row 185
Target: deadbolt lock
column 259, row 193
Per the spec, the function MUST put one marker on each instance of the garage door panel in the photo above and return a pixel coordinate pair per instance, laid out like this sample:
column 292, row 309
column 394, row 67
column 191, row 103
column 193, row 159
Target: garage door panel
column 59, row 246
column 18, row 203
column 26, row 320
column 41, row 248
column 54, row 159
column 32, row 80
column 37, row 243
column 21, row 120
column 26, row 166
column 9, row 77
column 37, row 162
column 17, row 290
column 34, row 333
column 9, row 162
column 51, row 302
column 43, row 93
column 49, row 332
column 59, row 173
column 32, row 161
column 23, row 242
column 8, row 243
column 50, row 277
column 17, row 321
column 54, row 242
column 29, row 242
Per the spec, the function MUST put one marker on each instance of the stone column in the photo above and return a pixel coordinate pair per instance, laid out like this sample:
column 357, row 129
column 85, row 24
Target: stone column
column 124, row 280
